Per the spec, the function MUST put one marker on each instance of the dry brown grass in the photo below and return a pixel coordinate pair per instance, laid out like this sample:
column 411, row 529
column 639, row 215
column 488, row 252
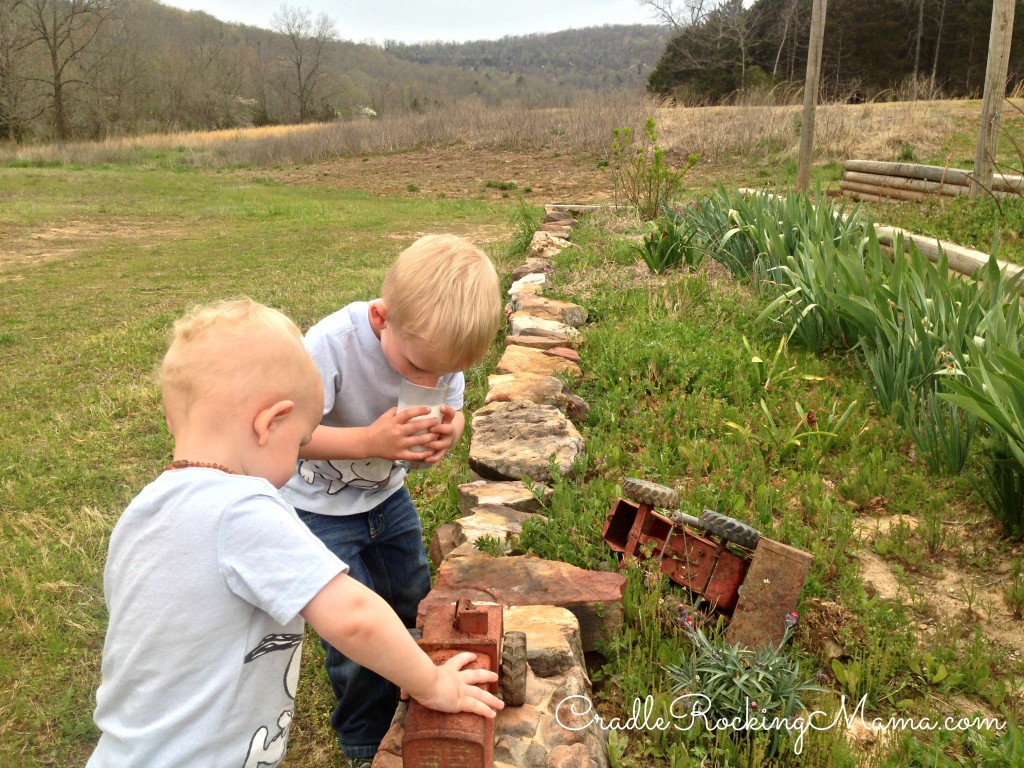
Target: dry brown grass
column 753, row 131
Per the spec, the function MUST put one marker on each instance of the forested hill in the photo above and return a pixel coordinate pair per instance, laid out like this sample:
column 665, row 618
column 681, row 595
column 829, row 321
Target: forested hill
column 90, row 70
column 610, row 57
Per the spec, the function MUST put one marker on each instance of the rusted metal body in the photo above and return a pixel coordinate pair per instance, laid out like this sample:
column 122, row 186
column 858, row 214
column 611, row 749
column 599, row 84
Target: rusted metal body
column 443, row 740
column 754, row 589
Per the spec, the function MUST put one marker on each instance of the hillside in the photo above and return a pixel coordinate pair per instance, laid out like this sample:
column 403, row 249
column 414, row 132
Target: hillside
column 595, row 58
column 145, row 67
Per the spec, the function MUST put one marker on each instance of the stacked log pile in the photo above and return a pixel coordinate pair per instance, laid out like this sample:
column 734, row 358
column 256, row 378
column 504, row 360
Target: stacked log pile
column 876, row 181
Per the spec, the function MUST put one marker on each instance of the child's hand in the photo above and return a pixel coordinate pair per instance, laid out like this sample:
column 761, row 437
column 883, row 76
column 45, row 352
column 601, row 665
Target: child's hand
column 393, row 434
column 444, row 436
column 456, row 688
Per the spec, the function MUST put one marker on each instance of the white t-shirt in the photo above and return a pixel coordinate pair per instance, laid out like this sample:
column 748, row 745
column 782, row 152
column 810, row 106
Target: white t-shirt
column 205, row 577
column 359, row 385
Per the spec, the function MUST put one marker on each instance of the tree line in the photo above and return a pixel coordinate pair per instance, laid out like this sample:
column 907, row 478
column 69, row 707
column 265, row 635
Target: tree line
column 872, row 48
column 85, row 69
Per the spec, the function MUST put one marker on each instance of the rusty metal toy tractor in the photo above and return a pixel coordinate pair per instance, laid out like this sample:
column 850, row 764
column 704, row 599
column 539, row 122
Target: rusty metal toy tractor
column 463, row 740
column 750, row 579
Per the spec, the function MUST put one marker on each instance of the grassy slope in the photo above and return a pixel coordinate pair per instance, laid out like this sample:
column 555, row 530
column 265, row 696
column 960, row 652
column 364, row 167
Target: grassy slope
column 80, row 335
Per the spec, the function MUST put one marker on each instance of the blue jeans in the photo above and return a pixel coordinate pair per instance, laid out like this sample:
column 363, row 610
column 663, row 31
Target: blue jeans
column 384, row 550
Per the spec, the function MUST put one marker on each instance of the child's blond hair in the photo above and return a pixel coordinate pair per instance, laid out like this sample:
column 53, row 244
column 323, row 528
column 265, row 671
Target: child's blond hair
column 236, row 349
column 443, row 291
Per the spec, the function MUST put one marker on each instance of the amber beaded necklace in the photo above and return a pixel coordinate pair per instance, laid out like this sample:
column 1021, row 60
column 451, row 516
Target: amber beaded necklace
column 183, row 463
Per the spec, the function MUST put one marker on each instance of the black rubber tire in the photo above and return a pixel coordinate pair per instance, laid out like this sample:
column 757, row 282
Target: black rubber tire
column 644, row 492
column 513, row 669
column 730, row 529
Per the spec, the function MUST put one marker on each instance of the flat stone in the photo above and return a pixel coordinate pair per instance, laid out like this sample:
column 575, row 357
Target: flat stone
column 549, row 309
column 492, row 521
column 508, row 493
column 535, row 387
column 530, row 267
column 565, row 352
column 556, row 228
column 522, row 439
column 534, row 341
column 560, row 217
column 517, row 722
column 553, row 637
column 525, row 360
column 442, row 543
column 531, row 283
column 545, row 245
column 568, row 756
column 523, row 323
column 593, row 597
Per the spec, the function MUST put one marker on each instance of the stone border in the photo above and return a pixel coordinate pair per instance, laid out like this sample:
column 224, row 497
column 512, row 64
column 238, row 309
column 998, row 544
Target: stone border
column 525, row 429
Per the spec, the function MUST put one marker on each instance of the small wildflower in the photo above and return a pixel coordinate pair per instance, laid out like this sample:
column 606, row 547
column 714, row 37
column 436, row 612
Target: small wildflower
column 791, row 618
column 812, row 420
column 753, row 705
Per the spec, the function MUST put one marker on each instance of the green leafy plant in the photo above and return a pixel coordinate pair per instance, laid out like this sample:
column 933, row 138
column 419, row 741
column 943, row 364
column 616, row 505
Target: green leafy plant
column 669, row 246
column 640, row 172
column 736, row 679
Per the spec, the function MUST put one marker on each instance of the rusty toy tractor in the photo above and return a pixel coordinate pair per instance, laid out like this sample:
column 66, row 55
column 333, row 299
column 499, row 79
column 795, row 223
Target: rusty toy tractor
column 748, row 578
column 464, row 740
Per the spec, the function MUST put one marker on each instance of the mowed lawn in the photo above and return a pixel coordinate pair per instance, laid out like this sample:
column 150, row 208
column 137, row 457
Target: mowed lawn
column 95, row 265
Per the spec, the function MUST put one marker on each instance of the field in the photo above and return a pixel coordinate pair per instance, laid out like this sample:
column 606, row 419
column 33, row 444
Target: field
column 102, row 246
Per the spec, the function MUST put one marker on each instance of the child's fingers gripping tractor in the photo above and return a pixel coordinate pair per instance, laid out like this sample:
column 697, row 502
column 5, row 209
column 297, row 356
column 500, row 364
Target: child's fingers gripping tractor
column 745, row 576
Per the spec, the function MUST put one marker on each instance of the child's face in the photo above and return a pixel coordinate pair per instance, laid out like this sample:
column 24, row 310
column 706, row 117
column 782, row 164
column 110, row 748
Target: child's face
column 413, row 360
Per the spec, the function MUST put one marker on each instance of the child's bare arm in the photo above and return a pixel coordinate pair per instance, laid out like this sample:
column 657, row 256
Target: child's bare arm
column 391, row 436
column 361, row 625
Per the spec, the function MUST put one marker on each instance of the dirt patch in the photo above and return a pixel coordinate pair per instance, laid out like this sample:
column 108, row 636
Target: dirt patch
column 547, row 176
column 950, row 595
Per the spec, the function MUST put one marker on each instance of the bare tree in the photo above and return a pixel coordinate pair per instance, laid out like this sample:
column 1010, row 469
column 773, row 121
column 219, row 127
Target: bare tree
column 306, row 40
column 65, row 29
column 14, row 112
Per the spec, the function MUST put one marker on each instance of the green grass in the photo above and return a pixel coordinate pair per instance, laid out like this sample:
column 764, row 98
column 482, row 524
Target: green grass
column 96, row 264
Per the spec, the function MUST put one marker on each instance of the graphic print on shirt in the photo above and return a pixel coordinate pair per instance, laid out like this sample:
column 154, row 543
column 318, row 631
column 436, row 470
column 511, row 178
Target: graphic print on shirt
column 365, row 474
column 266, row 749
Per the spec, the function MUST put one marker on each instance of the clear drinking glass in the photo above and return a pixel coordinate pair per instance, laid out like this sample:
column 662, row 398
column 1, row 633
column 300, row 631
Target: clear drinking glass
column 412, row 395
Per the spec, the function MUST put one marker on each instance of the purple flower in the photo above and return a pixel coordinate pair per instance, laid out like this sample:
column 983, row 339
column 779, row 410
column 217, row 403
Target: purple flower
column 791, row 618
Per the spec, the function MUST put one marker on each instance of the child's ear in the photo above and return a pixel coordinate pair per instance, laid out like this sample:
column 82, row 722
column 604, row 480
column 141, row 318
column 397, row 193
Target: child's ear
column 265, row 419
column 378, row 313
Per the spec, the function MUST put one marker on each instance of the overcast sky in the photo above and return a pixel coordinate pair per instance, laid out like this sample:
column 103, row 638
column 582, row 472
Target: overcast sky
column 425, row 20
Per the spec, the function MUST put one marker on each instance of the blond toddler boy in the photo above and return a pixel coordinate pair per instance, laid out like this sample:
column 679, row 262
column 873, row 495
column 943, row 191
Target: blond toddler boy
column 439, row 309
column 210, row 575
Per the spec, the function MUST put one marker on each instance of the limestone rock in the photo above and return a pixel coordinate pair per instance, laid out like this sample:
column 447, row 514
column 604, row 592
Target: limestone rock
column 493, row 521
column 563, row 756
column 531, row 283
column 535, row 387
column 593, row 597
column 530, row 267
column 566, row 352
column 545, row 245
column 554, row 637
column 522, row 439
column 560, row 217
column 442, row 543
column 524, row 360
column 523, row 323
column 534, row 341
column 508, row 493
column 556, row 228
column 549, row 309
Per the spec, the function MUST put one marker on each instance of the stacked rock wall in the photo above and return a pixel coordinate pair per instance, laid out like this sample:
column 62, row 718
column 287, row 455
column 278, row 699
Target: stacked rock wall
column 525, row 430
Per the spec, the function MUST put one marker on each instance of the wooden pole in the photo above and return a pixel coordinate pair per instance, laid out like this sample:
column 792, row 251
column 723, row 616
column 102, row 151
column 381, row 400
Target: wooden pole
column 811, row 84
column 995, row 90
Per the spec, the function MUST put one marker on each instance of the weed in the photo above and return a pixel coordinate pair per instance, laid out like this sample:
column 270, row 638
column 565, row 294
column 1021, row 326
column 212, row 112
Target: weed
column 1015, row 590
column 503, row 186
column 412, row 188
column 640, row 173
column 489, row 545
column 669, row 246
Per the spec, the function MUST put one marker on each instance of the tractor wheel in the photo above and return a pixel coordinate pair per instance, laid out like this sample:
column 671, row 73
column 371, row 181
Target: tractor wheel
column 513, row 669
column 652, row 494
column 729, row 529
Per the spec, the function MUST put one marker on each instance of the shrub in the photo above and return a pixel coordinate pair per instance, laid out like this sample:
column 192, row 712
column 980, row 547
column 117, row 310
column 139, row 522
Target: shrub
column 640, row 173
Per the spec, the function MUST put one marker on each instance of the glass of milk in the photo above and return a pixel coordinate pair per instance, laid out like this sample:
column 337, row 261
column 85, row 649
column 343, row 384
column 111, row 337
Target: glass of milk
column 412, row 395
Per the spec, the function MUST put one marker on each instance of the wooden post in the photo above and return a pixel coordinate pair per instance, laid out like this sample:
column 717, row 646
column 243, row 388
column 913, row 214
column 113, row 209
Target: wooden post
column 811, row 84
column 995, row 90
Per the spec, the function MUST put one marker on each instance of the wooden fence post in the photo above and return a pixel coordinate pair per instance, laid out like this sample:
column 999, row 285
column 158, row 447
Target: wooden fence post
column 995, row 90
column 811, row 83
